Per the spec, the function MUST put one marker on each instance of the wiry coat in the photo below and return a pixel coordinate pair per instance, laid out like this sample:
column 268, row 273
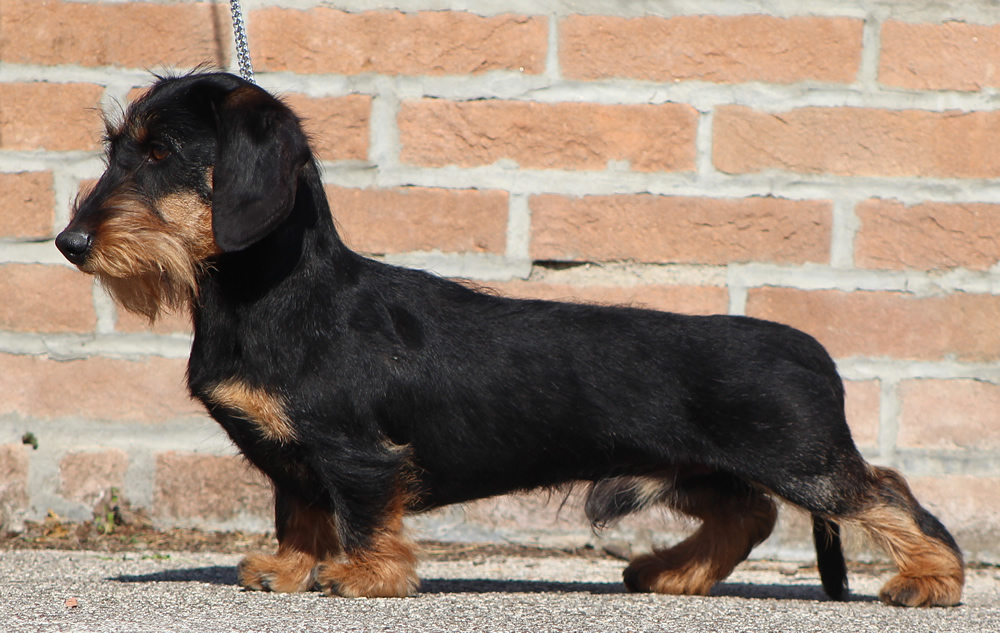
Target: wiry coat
column 365, row 391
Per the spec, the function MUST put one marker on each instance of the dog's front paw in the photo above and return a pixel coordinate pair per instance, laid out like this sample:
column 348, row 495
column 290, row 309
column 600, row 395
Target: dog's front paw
column 281, row 573
column 385, row 579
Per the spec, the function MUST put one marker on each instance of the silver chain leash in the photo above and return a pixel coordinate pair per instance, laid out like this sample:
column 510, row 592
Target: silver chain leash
column 242, row 47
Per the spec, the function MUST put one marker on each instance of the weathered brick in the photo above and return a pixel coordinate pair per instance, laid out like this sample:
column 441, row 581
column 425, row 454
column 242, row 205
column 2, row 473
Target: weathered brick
column 888, row 324
column 862, row 403
column 28, row 109
column 684, row 299
column 144, row 391
column 85, row 476
column 166, row 323
column 948, row 56
column 542, row 518
column 129, row 34
column 858, row 142
column 337, row 126
column 436, row 132
column 44, row 298
column 323, row 40
column 967, row 505
column 677, row 229
column 949, row 414
column 28, row 202
column 14, row 497
column 723, row 49
column 421, row 219
column 196, row 488
column 927, row 236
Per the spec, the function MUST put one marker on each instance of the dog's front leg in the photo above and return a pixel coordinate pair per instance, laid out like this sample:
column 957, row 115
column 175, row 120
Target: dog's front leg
column 385, row 566
column 306, row 535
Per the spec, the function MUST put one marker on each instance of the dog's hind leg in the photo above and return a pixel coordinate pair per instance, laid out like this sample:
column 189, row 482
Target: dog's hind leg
column 306, row 535
column 735, row 517
column 931, row 570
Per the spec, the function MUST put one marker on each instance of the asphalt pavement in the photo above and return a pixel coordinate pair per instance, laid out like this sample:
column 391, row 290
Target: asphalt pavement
column 69, row 591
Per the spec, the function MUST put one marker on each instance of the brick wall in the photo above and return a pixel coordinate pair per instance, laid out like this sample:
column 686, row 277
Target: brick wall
column 830, row 164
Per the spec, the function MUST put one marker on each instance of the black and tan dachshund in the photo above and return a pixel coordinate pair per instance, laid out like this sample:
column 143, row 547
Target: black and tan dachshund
column 366, row 391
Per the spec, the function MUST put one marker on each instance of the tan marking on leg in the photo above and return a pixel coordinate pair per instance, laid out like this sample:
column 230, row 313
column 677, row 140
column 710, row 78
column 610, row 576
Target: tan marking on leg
column 266, row 410
column 388, row 568
column 309, row 535
column 930, row 572
column 731, row 527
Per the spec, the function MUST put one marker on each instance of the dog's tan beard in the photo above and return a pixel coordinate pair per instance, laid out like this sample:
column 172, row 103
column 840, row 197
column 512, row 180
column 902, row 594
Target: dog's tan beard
column 151, row 262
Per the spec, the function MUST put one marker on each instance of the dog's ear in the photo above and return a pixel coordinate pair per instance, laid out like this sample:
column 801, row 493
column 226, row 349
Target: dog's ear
column 260, row 152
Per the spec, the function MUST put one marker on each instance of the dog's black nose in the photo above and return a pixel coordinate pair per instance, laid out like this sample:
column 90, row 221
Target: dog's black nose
column 74, row 244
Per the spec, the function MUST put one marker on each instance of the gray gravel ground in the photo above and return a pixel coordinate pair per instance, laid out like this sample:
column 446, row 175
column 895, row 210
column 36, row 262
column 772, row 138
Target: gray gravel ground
column 197, row 592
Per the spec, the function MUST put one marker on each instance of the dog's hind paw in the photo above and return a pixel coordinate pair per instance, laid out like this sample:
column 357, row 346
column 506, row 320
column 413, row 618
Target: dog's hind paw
column 656, row 573
column 922, row 591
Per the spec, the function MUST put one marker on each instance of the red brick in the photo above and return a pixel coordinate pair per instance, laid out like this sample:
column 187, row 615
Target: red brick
column 675, row 229
column 684, row 299
column 323, row 40
column 435, row 133
column 858, row 142
column 43, row 298
column 197, row 488
column 28, row 203
column 14, row 498
column 948, row 56
column 862, row 404
column 85, row 476
column 421, row 219
column 927, row 236
column 949, row 414
column 28, row 110
column 146, row 391
column 337, row 126
column 129, row 34
column 722, row 49
column 888, row 324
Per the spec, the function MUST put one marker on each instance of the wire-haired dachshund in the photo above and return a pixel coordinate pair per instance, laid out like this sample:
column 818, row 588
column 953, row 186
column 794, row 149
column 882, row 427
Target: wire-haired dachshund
column 365, row 391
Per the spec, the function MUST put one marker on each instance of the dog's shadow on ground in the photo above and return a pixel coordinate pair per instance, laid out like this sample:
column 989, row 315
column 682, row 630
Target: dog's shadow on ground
column 731, row 590
column 222, row 575
column 214, row 575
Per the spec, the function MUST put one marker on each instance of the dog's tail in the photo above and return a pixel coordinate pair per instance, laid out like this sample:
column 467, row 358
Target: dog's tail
column 830, row 558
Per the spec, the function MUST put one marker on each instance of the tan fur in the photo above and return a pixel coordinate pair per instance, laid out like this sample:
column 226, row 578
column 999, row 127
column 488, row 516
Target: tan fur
column 150, row 258
column 266, row 410
column 731, row 527
column 930, row 572
column 310, row 535
column 650, row 490
column 387, row 568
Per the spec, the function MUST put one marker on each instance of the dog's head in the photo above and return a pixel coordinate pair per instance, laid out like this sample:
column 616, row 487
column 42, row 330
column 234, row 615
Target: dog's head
column 198, row 166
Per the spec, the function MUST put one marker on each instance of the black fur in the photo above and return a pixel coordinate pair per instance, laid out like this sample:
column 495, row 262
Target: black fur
column 397, row 378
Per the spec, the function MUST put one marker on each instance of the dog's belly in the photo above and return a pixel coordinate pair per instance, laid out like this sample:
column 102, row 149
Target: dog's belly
column 498, row 471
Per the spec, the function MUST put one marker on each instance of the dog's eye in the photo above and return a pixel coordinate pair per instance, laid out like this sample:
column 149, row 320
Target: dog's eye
column 158, row 152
